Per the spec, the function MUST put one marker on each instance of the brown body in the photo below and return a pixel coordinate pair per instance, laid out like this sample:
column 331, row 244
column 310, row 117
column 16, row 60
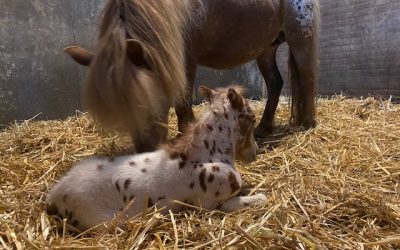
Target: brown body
column 215, row 33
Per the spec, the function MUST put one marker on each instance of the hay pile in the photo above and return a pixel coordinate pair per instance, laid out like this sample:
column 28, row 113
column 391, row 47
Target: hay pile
column 334, row 187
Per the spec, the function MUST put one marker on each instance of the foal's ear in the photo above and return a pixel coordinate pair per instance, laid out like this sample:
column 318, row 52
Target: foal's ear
column 236, row 99
column 80, row 55
column 136, row 53
column 206, row 92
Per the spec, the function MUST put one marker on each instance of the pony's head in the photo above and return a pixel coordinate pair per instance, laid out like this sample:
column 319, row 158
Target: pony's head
column 237, row 111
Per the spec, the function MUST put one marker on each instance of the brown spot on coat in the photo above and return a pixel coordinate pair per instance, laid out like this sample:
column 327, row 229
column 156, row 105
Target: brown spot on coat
column 213, row 148
column 147, row 161
column 161, row 198
column 229, row 151
column 124, row 198
column 202, row 179
column 220, row 128
column 100, row 167
column 183, row 157
column 201, row 165
column 211, row 178
column 65, row 197
column 191, row 185
column 143, row 170
column 215, row 168
column 174, row 155
column 217, row 194
column 233, row 182
column 206, row 144
column 181, row 164
column 127, row 183
column 209, row 127
column 132, row 163
column 117, row 186
column 131, row 197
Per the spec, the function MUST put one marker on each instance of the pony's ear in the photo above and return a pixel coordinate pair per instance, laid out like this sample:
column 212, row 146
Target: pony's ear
column 136, row 53
column 206, row 92
column 80, row 55
column 235, row 99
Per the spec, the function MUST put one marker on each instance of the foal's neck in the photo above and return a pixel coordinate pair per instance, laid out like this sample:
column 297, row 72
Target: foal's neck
column 214, row 138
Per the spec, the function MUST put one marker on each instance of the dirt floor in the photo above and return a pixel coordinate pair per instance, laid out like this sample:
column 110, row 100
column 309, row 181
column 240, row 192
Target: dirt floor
column 333, row 187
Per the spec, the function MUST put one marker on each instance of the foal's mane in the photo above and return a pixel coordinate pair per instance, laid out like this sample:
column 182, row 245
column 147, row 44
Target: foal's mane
column 184, row 143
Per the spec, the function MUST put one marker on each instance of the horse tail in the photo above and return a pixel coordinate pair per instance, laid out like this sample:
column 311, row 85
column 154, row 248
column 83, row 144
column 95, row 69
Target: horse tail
column 138, row 71
column 293, row 79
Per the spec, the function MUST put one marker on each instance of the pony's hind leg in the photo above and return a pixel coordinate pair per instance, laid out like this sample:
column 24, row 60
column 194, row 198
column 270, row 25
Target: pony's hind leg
column 273, row 79
column 302, row 34
column 183, row 109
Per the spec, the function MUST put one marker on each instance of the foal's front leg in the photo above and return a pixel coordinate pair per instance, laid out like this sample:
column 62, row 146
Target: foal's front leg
column 239, row 202
column 183, row 109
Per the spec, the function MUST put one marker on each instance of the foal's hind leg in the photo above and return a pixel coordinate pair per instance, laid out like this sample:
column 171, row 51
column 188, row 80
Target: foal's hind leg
column 183, row 109
column 273, row 79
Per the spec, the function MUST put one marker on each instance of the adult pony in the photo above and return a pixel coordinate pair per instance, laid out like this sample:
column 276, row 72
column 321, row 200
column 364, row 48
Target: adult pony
column 147, row 54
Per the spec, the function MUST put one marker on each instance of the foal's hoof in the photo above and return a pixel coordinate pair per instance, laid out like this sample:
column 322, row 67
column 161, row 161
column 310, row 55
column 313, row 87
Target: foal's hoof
column 259, row 199
column 262, row 132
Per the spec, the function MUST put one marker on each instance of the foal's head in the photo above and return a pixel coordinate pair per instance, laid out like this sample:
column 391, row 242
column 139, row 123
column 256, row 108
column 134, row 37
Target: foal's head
column 230, row 105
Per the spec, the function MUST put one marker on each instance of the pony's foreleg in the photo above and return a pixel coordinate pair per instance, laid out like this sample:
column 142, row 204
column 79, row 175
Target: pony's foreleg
column 183, row 109
column 273, row 79
column 239, row 202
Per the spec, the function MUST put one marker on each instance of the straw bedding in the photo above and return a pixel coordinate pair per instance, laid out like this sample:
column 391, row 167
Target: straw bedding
column 333, row 187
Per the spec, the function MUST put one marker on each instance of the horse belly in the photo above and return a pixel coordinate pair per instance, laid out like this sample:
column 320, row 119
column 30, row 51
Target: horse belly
column 241, row 34
column 230, row 57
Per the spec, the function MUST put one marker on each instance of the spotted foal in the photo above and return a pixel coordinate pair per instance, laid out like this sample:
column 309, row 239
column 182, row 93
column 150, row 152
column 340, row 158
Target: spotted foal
column 197, row 169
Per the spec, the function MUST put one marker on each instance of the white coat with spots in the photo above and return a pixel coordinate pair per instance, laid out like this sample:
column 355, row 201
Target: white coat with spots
column 197, row 169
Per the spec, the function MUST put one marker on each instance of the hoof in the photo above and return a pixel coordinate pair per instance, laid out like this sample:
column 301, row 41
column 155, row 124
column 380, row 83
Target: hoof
column 261, row 199
column 309, row 124
column 262, row 132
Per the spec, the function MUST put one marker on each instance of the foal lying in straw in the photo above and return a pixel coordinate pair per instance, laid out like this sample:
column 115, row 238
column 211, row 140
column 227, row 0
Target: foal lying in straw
column 197, row 169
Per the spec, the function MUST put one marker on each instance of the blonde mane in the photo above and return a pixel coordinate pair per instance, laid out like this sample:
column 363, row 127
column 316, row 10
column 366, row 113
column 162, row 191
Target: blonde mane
column 118, row 95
